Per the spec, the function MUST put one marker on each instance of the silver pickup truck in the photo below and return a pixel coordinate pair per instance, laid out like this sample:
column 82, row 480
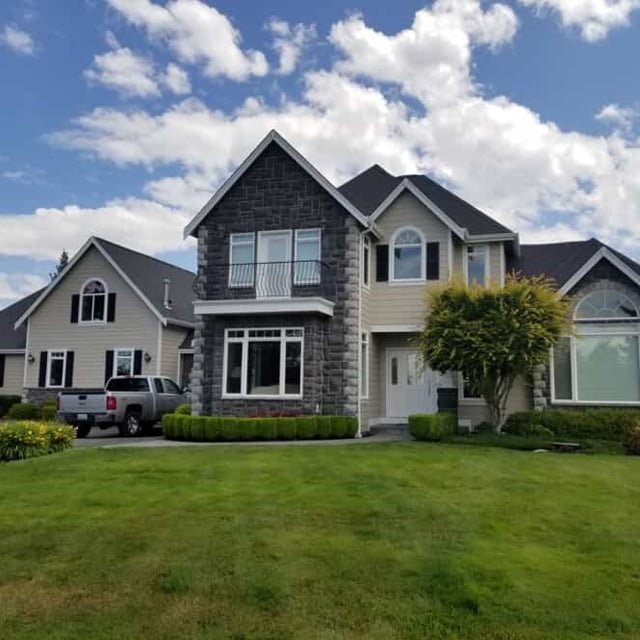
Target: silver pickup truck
column 133, row 404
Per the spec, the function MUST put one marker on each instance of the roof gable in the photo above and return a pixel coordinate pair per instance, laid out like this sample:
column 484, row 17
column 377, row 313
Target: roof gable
column 273, row 137
column 144, row 274
column 15, row 339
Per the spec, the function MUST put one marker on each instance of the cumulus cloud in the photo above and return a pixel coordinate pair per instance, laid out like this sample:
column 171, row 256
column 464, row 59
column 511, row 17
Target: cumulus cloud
column 289, row 42
column 17, row 40
column 18, row 285
column 594, row 18
column 197, row 33
column 176, row 79
column 621, row 118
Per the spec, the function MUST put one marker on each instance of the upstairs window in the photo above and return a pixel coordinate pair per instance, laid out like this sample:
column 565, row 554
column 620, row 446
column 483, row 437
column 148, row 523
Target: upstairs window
column 307, row 256
column 407, row 256
column 478, row 265
column 93, row 303
column 242, row 258
column 605, row 305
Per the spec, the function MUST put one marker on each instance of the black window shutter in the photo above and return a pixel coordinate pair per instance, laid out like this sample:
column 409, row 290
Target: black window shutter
column 137, row 362
column 75, row 306
column 42, row 377
column 108, row 365
column 111, row 308
column 433, row 261
column 68, row 374
column 2, row 363
column 382, row 262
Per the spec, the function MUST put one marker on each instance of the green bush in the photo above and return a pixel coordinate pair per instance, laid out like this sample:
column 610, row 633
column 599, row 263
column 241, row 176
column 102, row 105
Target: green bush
column 29, row 439
column 231, row 429
column 431, row 428
column 306, row 427
column 631, row 440
column 183, row 409
column 23, row 411
column 48, row 413
column 6, row 402
column 578, row 424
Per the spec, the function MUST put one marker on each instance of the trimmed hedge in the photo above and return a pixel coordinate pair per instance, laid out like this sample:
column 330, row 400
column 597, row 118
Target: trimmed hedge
column 23, row 411
column 183, row 409
column 590, row 424
column 6, row 402
column 231, row 429
column 432, row 427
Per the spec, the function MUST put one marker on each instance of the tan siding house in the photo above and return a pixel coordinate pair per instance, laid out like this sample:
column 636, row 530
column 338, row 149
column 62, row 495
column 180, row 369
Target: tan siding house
column 12, row 374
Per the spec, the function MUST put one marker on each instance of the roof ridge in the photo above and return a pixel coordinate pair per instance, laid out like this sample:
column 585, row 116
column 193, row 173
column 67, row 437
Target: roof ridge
column 144, row 255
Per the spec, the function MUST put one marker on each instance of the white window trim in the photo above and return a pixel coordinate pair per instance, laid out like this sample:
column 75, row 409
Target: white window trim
column 487, row 259
column 114, row 373
column 81, row 304
column 365, row 340
column 64, row 369
column 423, row 260
column 366, row 262
column 244, row 340
column 573, row 342
column 618, row 319
column 296, row 280
column 241, row 285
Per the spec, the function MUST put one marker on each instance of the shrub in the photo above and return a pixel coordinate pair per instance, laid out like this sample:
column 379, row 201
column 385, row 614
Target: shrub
column 431, row 428
column 597, row 423
column 183, row 409
column 631, row 440
column 306, row 427
column 230, row 429
column 48, row 413
column 23, row 411
column 6, row 402
column 28, row 439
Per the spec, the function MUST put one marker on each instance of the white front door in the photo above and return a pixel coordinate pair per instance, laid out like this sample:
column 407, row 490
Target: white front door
column 273, row 275
column 410, row 388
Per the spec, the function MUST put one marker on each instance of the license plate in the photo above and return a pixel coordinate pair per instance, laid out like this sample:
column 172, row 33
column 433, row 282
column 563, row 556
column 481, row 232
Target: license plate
column 83, row 416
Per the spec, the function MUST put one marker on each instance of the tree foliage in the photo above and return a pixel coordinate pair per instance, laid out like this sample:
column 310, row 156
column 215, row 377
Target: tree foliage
column 62, row 263
column 492, row 335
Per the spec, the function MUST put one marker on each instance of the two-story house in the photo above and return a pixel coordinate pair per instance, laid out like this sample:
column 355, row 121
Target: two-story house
column 111, row 311
column 310, row 296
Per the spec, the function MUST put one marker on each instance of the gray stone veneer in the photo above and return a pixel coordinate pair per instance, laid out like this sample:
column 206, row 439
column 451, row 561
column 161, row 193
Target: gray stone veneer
column 275, row 193
column 38, row 396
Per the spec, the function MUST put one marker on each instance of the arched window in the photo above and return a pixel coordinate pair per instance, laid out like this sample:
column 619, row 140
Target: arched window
column 607, row 304
column 407, row 255
column 93, row 301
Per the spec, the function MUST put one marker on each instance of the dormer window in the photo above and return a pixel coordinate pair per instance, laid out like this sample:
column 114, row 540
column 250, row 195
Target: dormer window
column 407, row 256
column 93, row 302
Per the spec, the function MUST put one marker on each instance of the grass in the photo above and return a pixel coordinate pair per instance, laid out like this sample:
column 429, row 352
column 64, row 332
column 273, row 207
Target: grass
column 387, row 542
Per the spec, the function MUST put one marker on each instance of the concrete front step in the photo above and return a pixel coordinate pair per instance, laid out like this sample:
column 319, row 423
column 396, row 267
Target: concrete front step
column 397, row 429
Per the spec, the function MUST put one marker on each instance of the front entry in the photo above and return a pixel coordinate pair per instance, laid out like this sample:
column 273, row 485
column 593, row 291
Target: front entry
column 410, row 389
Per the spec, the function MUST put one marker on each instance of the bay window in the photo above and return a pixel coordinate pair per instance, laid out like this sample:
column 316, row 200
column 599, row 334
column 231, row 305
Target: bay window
column 601, row 362
column 263, row 363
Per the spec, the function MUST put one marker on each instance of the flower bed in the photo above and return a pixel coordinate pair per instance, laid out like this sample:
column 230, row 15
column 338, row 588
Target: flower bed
column 29, row 439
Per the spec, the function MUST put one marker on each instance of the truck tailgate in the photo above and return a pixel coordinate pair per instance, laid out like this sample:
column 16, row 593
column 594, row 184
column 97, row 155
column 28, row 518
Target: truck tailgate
column 82, row 401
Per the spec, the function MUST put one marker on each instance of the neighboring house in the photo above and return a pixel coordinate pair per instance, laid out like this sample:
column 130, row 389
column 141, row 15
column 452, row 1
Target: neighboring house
column 111, row 311
column 309, row 296
column 12, row 346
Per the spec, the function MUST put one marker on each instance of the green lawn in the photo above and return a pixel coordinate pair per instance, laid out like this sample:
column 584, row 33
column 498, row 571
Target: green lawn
column 382, row 541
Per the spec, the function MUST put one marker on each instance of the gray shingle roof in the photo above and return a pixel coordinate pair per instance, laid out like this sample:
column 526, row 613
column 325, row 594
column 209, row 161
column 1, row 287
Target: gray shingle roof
column 148, row 275
column 368, row 189
column 560, row 260
column 11, row 338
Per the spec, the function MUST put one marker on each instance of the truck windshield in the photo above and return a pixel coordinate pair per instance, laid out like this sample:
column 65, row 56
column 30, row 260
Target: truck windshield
column 128, row 384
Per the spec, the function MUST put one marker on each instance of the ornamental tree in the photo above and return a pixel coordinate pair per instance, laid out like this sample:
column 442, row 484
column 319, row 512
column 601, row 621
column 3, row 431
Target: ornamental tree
column 491, row 335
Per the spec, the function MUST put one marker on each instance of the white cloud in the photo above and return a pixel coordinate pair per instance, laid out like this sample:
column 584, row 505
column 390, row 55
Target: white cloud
column 176, row 79
column 17, row 285
column 594, row 18
column 289, row 42
column 17, row 40
column 197, row 33
column 125, row 71
column 620, row 118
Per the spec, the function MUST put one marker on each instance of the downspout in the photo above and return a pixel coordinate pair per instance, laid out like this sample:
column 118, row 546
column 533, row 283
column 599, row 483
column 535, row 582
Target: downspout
column 360, row 269
column 27, row 346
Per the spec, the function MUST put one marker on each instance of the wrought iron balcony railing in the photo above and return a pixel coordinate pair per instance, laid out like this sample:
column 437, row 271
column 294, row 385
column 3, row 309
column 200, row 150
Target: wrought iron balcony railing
column 258, row 280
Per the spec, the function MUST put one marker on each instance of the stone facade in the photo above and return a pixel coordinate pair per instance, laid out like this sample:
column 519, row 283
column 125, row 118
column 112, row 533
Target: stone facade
column 38, row 396
column 275, row 193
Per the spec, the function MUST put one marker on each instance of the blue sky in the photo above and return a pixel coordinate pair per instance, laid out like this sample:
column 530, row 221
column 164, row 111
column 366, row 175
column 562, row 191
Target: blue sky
column 121, row 117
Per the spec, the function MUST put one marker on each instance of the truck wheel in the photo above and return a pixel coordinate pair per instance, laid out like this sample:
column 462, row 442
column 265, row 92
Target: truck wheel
column 132, row 426
column 82, row 430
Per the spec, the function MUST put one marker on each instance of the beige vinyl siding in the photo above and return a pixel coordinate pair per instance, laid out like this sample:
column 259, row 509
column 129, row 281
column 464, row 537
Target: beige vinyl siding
column 520, row 399
column 172, row 338
column 135, row 325
column 401, row 303
column 13, row 375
